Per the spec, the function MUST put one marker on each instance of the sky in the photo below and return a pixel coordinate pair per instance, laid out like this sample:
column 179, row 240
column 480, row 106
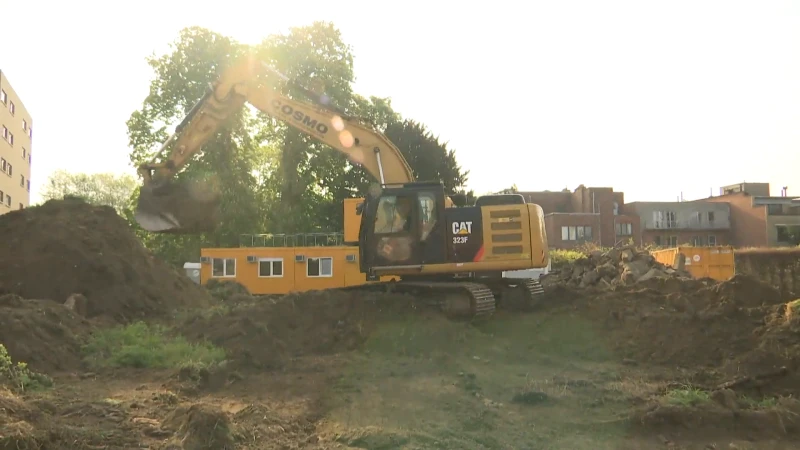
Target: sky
column 655, row 99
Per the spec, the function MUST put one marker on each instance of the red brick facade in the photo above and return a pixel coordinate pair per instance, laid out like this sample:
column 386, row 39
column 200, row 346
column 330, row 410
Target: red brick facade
column 600, row 216
column 600, row 210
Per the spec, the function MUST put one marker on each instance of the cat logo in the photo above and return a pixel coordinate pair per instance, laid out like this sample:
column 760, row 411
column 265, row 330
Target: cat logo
column 462, row 228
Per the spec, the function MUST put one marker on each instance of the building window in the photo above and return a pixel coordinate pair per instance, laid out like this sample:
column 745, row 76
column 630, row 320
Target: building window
column 223, row 267
column 2, row 195
column 29, row 158
column 5, row 132
column 24, row 153
column 672, row 241
column 21, row 206
column 22, row 180
column 319, row 267
column 616, row 208
column 270, row 267
column 712, row 240
column 788, row 234
column 711, row 217
column 624, row 229
column 3, row 97
column 10, row 169
column 12, row 108
column 8, row 200
column 664, row 219
column 3, row 165
column 698, row 241
column 11, row 139
column 28, row 185
column 576, row 233
column 25, row 125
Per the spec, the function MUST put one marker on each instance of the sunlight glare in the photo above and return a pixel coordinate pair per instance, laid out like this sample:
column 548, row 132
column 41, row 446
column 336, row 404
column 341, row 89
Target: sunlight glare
column 337, row 123
column 346, row 138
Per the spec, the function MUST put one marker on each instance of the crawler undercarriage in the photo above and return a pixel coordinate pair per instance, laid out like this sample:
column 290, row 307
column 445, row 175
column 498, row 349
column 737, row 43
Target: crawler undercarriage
column 475, row 297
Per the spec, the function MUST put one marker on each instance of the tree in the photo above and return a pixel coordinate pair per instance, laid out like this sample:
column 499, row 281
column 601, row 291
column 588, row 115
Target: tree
column 109, row 189
column 232, row 158
column 273, row 177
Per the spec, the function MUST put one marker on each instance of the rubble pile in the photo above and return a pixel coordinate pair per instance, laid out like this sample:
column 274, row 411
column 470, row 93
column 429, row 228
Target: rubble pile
column 620, row 266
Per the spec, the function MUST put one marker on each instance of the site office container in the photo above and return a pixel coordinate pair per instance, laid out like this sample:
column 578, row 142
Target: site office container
column 712, row 262
column 280, row 270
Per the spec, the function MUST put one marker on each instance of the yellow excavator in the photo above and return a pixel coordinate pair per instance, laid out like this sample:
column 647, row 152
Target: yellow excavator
column 454, row 256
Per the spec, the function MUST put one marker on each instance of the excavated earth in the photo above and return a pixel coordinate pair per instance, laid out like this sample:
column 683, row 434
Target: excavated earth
column 67, row 247
column 595, row 367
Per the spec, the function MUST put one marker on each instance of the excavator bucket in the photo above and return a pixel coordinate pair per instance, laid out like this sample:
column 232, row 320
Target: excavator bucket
column 178, row 207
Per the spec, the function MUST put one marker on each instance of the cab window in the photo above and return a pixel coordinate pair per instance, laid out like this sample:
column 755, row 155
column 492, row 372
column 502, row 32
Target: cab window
column 427, row 208
column 393, row 215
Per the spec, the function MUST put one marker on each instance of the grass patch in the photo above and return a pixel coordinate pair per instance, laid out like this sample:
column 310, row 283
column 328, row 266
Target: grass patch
column 687, row 397
column 764, row 403
column 19, row 376
column 142, row 346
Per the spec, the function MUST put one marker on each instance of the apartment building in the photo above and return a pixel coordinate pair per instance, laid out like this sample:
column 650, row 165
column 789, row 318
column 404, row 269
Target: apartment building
column 587, row 214
column 743, row 215
column 669, row 224
column 759, row 219
column 16, row 131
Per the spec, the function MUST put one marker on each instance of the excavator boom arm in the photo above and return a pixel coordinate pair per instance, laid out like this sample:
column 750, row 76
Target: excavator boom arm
column 240, row 84
column 173, row 208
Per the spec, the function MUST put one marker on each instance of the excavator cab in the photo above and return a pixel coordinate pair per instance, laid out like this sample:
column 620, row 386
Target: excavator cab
column 403, row 226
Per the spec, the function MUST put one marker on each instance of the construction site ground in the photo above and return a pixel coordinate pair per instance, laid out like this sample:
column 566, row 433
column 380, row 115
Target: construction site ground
column 145, row 359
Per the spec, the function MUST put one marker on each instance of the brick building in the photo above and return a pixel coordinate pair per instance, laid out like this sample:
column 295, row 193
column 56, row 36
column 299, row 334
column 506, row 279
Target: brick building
column 743, row 215
column 757, row 218
column 594, row 214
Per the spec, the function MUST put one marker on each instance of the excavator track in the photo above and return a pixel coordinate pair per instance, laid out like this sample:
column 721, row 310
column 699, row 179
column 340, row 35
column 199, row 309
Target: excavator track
column 520, row 294
column 535, row 292
column 454, row 298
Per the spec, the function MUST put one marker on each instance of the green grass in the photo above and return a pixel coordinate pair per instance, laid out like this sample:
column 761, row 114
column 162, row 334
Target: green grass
column 141, row 346
column 512, row 382
column 687, row 396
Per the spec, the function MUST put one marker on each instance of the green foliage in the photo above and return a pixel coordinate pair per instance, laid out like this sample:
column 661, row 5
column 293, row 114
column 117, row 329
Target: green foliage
column 272, row 177
column 109, row 189
column 139, row 345
column 19, row 376
column 561, row 258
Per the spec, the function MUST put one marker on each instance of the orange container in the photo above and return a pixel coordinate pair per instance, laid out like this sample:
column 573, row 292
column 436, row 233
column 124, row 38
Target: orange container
column 712, row 262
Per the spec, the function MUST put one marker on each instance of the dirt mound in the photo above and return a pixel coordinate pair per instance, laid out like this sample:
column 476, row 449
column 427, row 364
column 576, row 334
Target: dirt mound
column 43, row 334
column 605, row 270
column 714, row 333
column 267, row 331
column 744, row 291
column 67, row 246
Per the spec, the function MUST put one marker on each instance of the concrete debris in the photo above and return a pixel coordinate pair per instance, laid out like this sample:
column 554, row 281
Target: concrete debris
column 605, row 270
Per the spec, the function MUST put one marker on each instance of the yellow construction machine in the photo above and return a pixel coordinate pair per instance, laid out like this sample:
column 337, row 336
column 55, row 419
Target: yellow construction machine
column 455, row 256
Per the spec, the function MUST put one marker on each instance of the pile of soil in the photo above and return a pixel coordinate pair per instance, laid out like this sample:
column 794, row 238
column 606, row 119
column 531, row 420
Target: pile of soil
column 67, row 246
column 719, row 332
column 268, row 331
column 605, row 270
column 41, row 333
